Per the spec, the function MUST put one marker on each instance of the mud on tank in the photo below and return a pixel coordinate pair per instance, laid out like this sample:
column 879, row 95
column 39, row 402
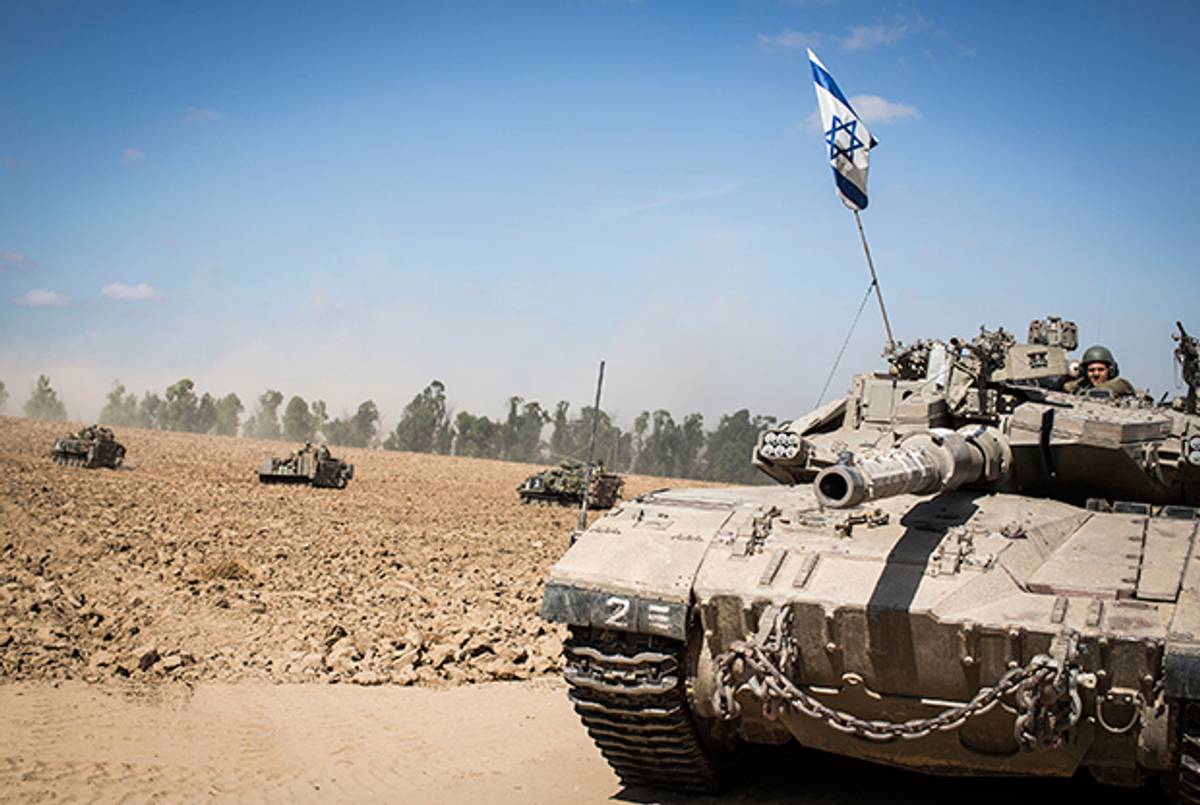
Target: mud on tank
column 963, row 570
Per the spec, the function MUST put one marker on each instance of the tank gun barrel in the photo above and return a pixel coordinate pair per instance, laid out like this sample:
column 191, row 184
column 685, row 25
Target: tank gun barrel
column 922, row 463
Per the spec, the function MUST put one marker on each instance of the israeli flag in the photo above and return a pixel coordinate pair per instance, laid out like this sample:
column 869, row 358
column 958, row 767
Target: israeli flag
column 847, row 137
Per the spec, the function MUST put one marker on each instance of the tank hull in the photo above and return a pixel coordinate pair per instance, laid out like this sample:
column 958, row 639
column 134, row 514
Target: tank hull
column 564, row 487
column 904, row 610
column 323, row 473
column 90, row 454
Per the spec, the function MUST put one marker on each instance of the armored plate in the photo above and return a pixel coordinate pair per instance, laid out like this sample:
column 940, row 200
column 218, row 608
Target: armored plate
column 955, row 575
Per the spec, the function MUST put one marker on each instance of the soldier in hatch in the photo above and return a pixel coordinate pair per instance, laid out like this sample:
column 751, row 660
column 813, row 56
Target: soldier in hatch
column 1099, row 372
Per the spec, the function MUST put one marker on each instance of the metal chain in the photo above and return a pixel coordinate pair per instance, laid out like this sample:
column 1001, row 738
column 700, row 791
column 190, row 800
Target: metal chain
column 1044, row 690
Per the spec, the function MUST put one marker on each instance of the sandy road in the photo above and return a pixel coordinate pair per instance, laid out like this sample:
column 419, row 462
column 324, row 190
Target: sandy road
column 247, row 742
column 497, row 743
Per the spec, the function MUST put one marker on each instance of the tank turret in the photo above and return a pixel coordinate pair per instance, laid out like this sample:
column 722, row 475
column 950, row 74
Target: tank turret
column 1011, row 415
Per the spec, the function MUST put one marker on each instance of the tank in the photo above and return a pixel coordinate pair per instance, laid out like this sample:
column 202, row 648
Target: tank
column 308, row 465
column 93, row 446
column 564, row 486
column 962, row 570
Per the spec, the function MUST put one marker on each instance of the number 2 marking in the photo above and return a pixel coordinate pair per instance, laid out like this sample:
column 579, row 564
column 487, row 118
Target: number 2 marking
column 619, row 611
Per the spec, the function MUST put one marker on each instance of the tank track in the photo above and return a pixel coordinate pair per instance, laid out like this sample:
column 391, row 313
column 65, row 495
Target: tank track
column 629, row 690
column 70, row 460
column 550, row 499
column 1187, row 788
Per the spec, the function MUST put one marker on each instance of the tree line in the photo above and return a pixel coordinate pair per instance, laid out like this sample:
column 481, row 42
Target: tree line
column 657, row 444
column 182, row 409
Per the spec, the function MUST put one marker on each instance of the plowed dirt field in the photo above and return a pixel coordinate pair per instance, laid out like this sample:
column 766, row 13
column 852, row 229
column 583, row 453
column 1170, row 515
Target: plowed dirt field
column 425, row 570
column 421, row 576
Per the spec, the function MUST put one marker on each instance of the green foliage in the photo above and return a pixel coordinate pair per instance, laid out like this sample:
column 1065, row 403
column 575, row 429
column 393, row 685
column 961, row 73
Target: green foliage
column 120, row 409
column 319, row 415
column 44, row 403
column 3, row 396
column 562, row 439
column 727, row 457
column 359, row 430
column 150, row 411
column 424, row 427
column 670, row 449
column 299, row 425
column 521, row 437
column 570, row 437
column 475, row 436
column 264, row 422
column 181, row 411
column 205, row 417
column 657, row 444
column 229, row 408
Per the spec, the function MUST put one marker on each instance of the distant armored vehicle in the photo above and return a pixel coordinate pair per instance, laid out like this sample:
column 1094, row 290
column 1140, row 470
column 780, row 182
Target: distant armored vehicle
column 564, row 485
column 307, row 465
column 964, row 570
column 92, row 447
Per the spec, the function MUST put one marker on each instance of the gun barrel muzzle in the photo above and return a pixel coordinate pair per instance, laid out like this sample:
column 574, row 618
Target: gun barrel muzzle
column 922, row 463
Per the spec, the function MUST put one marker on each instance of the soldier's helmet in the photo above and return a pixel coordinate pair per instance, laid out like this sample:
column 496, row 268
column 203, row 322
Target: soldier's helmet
column 1099, row 353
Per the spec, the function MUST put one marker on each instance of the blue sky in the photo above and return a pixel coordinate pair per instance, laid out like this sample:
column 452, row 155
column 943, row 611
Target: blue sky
column 345, row 200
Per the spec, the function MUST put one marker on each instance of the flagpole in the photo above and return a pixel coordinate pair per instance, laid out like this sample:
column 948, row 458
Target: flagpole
column 887, row 325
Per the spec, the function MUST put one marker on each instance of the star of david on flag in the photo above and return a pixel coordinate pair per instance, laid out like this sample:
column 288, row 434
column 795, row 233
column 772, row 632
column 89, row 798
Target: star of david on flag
column 846, row 135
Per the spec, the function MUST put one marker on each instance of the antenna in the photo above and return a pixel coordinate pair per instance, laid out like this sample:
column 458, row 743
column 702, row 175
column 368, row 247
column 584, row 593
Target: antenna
column 887, row 325
column 587, row 478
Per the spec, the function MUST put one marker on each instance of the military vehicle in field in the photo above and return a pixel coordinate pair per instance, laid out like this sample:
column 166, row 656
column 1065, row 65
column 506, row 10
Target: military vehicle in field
column 564, row 485
column 308, row 465
column 963, row 570
column 93, row 446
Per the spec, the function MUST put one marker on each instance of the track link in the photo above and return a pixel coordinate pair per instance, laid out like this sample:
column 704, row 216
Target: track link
column 1187, row 787
column 629, row 691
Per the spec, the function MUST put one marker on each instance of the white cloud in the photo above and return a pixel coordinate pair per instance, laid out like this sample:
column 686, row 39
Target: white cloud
column 139, row 292
column 876, row 109
column 789, row 39
column 15, row 260
column 868, row 36
column 863, row 37
column 194, row 114
column 40, row 297
column 871, row 108
column 858, row 37
column 132, row 156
